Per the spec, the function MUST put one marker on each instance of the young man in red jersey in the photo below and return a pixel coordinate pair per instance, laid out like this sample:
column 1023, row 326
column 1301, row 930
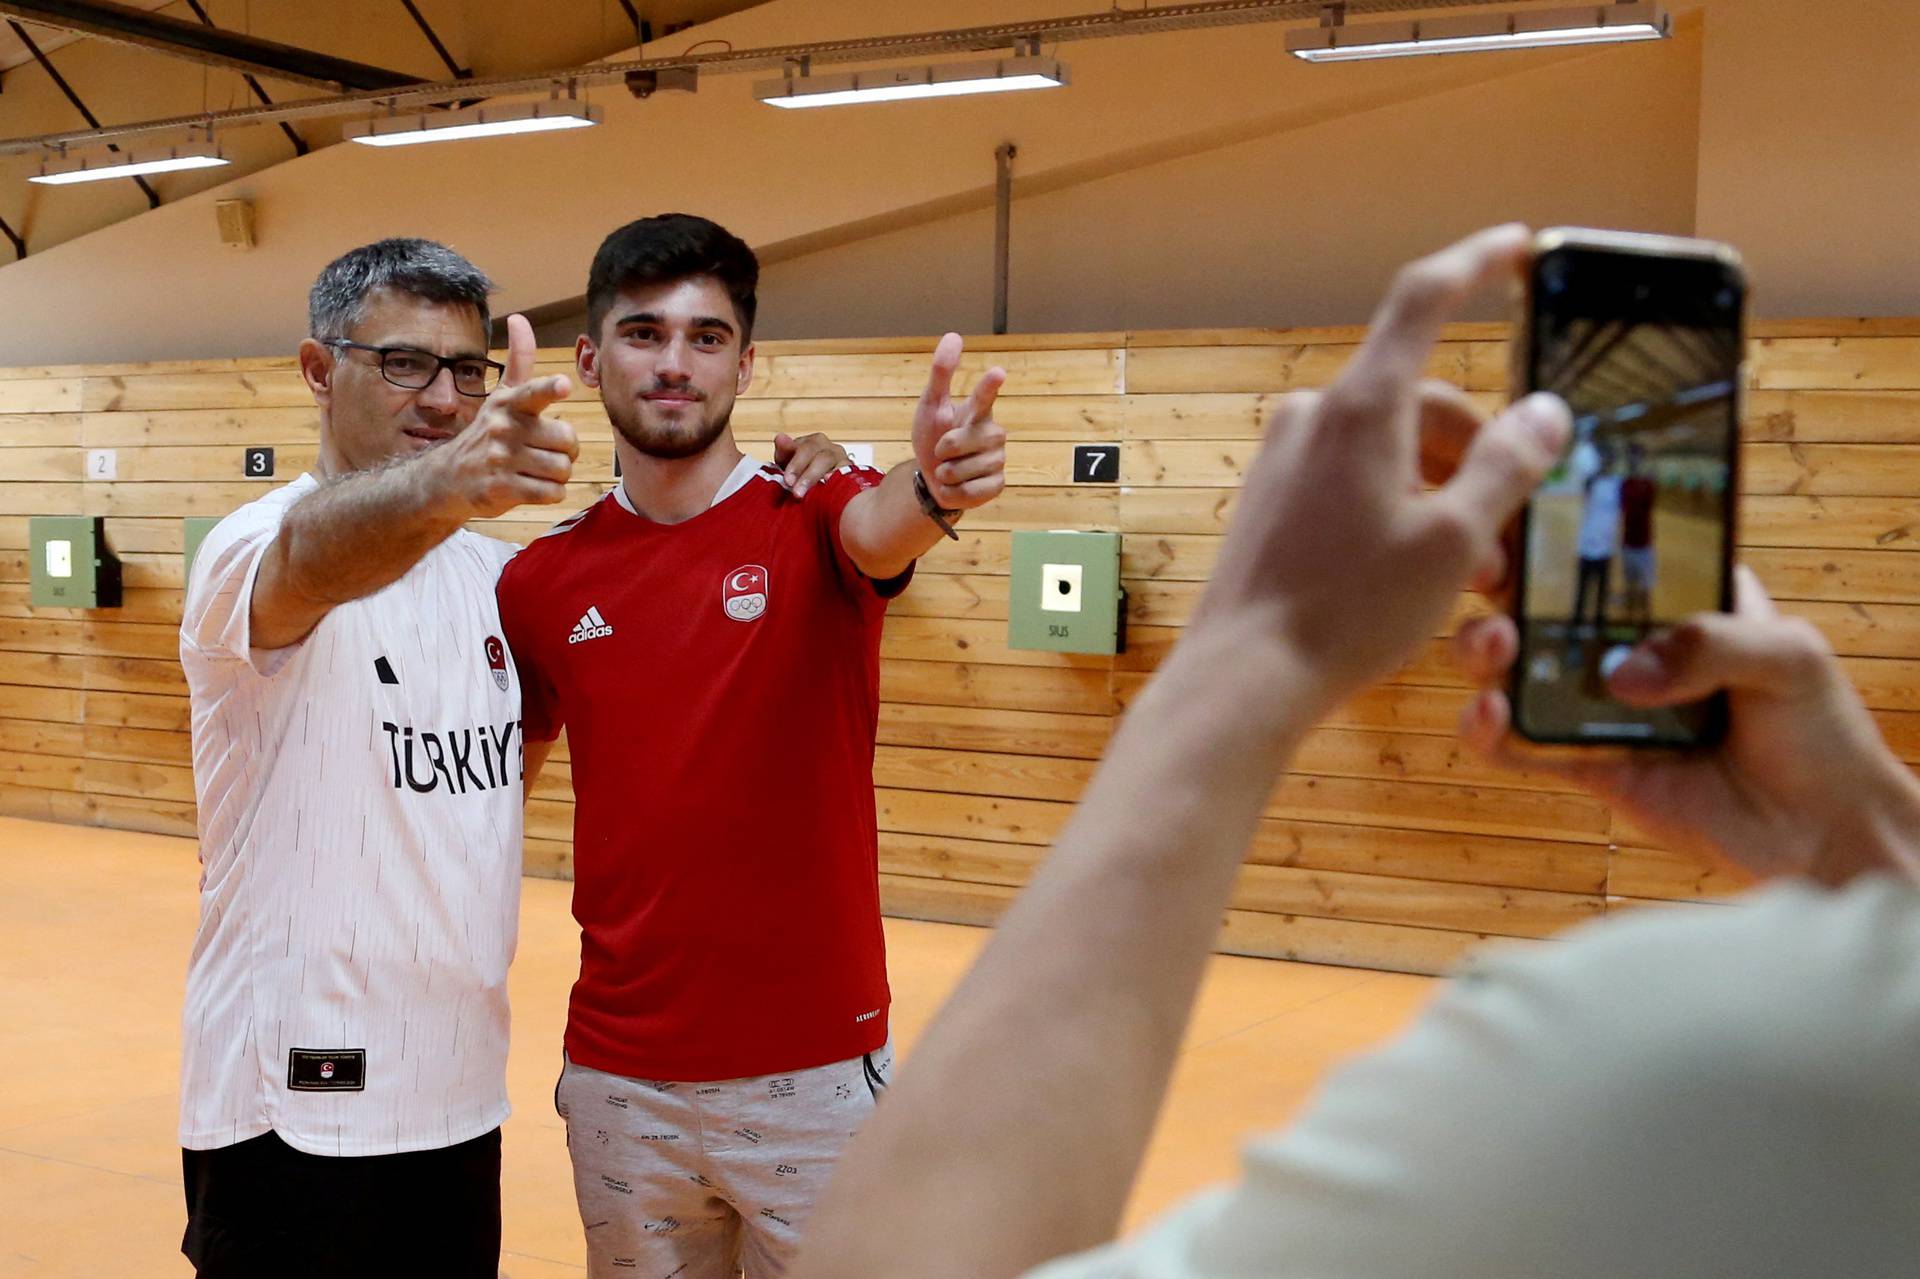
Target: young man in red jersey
column 712, row 646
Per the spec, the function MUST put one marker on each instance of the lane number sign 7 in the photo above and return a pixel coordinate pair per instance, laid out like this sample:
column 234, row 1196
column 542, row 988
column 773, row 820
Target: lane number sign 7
column 1096, row 464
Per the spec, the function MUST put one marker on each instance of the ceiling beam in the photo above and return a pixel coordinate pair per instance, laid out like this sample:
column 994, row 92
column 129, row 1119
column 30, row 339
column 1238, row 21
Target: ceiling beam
column 209, row 46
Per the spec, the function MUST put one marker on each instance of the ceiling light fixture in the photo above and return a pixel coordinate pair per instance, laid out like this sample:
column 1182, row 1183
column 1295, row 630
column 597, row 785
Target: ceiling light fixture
column 475, row 122
column 1335, row 41
column 127, row 164
column 949, row 80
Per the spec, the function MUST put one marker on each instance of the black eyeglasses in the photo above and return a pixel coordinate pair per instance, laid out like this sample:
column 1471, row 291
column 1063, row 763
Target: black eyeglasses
column 414, row 370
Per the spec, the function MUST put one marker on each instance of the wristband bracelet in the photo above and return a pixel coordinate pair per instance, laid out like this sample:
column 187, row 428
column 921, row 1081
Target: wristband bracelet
column 939, row 514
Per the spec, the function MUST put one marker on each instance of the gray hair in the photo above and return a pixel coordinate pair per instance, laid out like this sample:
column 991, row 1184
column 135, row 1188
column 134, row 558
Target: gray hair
column 419, row 268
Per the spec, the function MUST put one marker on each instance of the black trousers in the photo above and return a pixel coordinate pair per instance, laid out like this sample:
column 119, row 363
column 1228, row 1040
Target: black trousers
column 1597, row 573
column 262, row 1208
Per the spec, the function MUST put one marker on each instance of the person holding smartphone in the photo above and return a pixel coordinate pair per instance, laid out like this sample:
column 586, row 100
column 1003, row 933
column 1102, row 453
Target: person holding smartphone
column 1714, row 1092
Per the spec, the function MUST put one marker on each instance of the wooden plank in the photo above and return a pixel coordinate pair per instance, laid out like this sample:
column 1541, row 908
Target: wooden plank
column 222, row 364
column 1831, row 470
column 1547, row 865
column 36, row 430
column 1835, row 363
column 247, row 388
column 1340, row 334
column 105, row 741
column 975, row 342
column 136, row 606
column 43, row 805
column 1637, row 871
column 1349, row 943
column 1428, row 806
column 1090, row 418
column 1867, row 577
column 1017, row 688
column 923, row 639
column 1169, row 556
column 222, row 464
column 1007, row 821
column 1150, row 510
column 42, row 772
column 1837, row 523
column 1391, row 947
column 55, row 704
column 981, row 773
column 41, row 395
column 1381, row 899
column 229, row 428
column 1863, row 629
column 953, row 595
column 1284, row 890
column 137, row 710
column 1834, row 417
column 38, row 737
column 1263, row 369
column 134, row 675
column 161, row 817
column 37, row 465
column 904, row 374
column 40, row 497
column 43, row 670
column 547, row 859
column 138, row 780
column 966, row 728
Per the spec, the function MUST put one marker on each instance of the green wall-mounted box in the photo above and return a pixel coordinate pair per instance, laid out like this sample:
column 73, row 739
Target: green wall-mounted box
column 1065, row 593
column 72, row 567
column 197, row 528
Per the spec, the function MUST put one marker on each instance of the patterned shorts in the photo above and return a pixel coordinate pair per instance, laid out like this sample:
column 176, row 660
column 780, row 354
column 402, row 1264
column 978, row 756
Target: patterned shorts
column 697, row 1180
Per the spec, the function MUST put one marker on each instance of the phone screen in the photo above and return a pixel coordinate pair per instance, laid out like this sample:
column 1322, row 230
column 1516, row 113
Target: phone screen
column 1633, row 529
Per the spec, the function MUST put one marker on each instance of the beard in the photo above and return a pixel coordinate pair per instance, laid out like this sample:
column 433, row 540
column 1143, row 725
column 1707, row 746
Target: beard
column 687, row 434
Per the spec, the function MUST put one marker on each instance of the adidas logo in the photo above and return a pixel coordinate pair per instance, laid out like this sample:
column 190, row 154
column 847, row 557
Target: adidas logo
column 591, row 626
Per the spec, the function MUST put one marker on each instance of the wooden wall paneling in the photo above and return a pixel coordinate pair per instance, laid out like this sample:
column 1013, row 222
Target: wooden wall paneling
column 1386, row 846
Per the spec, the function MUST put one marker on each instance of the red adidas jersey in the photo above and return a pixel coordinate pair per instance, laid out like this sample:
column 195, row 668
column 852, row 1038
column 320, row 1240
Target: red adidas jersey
column 719, row 683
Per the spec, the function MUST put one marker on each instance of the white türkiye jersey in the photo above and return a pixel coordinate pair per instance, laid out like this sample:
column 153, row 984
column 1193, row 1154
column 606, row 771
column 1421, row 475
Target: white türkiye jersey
column 360, row 837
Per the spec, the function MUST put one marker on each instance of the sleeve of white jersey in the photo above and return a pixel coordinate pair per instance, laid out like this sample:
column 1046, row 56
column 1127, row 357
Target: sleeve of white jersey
column 216, row 621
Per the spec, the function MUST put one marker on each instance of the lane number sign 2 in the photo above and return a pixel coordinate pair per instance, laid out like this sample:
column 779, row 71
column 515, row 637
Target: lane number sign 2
column 1096, row 464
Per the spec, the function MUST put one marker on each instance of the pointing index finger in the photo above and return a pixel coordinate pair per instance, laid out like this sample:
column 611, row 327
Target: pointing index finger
column 946, row 362
column 1425, row 296
column 520, row 351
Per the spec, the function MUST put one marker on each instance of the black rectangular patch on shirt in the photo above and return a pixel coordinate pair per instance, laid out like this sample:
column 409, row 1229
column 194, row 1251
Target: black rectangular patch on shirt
column 327, row 1069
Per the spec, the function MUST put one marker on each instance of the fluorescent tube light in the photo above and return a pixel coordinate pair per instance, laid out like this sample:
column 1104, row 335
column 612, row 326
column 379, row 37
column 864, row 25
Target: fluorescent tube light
column 475, row 122
column 1003, row 75
column 127, row 164
column 1588, row 24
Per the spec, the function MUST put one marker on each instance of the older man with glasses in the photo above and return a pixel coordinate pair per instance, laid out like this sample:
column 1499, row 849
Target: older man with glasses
column 357, row 761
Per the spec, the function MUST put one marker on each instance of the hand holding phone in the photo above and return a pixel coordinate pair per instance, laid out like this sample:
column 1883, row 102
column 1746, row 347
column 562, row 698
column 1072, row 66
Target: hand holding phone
column 1634, row 530
column 1802, row 784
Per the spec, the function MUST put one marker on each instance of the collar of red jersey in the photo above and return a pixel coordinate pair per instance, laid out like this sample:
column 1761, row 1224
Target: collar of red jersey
column 745, row 469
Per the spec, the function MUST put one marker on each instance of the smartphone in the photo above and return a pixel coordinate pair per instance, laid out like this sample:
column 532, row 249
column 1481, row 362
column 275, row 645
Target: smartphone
column 1633, row 529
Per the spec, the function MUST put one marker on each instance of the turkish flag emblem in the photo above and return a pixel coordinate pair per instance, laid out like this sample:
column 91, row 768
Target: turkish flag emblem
column 743, row 592
column 497, row 661
column 326, row 1070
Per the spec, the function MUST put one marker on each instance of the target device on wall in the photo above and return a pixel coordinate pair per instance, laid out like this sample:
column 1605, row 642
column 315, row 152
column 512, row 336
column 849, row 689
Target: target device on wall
column 744, row 592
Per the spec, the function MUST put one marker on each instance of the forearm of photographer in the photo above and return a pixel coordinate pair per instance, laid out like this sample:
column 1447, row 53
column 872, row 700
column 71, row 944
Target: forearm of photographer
column 1014, row 1131
column 1803, row 783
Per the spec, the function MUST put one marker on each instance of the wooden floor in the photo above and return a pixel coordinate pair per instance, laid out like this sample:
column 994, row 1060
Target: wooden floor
column 97, row 926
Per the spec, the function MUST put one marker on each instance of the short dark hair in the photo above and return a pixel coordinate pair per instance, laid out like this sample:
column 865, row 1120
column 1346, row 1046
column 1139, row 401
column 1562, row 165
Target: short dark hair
column 419, row 268
column 669, row 247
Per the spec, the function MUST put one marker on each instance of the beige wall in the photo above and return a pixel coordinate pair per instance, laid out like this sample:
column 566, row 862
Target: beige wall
column 1300, row 226
column 1187, row 180
column 1810, row 151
